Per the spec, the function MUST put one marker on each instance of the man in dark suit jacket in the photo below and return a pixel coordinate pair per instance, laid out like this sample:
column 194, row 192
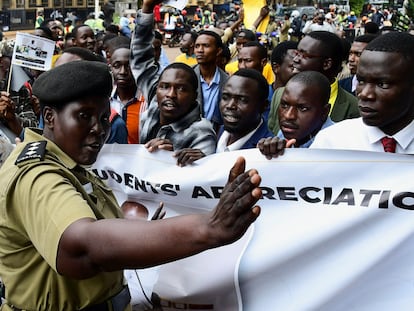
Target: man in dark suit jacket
column 322, row 51
column 242, row 105
column 359, row 44
column 243, row 101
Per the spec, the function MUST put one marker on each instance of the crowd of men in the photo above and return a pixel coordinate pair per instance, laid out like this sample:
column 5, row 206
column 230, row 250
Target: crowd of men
column 223, row 93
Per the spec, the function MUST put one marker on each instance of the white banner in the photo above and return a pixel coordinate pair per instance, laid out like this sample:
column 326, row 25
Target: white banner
column 336, row 230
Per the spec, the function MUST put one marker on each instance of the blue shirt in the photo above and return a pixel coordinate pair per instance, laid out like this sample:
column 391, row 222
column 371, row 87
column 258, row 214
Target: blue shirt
column 211, row 96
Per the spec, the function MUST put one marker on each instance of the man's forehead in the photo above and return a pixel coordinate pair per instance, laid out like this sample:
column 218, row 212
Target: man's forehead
column 205, row 37
column 236, row 80
column 358, row 45
column 248, row 51
column 309, row 43
column 383, row 63
column 175, row 75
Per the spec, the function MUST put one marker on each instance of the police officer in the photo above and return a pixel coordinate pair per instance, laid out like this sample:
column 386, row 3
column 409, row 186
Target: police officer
column 69, row 245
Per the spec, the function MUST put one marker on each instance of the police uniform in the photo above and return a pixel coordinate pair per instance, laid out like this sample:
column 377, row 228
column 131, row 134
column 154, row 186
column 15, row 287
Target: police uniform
column 42, row 192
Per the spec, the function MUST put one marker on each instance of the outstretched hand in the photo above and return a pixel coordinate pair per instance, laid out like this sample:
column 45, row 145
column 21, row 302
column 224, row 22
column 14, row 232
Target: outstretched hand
column 236, row 210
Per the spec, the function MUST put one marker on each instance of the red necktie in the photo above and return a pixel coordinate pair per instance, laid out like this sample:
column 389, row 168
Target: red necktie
column 389, row 144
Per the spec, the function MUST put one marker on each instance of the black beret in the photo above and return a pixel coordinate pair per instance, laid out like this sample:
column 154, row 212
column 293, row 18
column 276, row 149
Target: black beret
column 72, row 81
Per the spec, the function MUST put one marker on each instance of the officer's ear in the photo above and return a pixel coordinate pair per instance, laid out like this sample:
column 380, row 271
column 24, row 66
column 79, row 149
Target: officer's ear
column 49, row 116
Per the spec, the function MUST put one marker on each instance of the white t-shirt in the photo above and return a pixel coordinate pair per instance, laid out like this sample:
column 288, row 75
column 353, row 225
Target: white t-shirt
column 354, row 134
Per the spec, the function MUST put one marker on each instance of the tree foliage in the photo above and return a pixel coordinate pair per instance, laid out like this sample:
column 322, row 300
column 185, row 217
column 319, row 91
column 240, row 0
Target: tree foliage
column 409, row 8
column 356, row 6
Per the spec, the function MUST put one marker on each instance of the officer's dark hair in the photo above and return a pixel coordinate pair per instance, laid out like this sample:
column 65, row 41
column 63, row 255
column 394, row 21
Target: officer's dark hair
column 216, row 37
column 193, row 77
column 76, row 29
column 262, row 85
column 332, row 47
column 261, row 48
column 247, row 34
column 315, row 80
column 366, row 38
column 83, row 53
column 279, row 52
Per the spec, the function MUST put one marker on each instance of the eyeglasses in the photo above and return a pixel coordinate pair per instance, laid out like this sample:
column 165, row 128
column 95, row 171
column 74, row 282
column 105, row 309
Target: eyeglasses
column 305, row 55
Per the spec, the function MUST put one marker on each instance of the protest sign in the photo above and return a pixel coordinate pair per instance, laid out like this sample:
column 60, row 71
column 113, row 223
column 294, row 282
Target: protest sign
column 33, row 51
column 335, row 233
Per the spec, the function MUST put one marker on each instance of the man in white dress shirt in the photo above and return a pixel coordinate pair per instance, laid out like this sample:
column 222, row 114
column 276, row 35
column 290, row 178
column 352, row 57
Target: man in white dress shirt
column 385, row 94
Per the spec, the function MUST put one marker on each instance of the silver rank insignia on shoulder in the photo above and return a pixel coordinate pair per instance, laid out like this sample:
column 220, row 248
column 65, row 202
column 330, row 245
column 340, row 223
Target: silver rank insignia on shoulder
column 32, row 151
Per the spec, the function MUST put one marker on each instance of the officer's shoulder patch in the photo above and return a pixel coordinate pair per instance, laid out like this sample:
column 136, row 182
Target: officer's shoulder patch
column 32, row 151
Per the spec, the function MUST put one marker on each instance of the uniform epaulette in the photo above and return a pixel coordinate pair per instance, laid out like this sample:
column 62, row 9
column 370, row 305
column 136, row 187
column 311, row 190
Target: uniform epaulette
column 33, row 151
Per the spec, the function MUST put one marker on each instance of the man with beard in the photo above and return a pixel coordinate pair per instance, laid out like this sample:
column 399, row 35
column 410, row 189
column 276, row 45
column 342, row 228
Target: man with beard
column 242, row 104
column 323, row 51
column 173, row 120
column 385, row 93
column 302, row 113
column 187, row 48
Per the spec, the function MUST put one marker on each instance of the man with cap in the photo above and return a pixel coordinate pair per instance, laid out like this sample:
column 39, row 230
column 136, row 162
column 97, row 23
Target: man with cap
column 69, row 245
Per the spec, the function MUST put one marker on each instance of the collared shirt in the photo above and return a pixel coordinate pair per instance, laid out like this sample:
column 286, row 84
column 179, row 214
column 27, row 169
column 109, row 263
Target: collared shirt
column 238, row 144
column 211, row 95
column 28, row 264
column 326, row 124
column 191, row 131
column 354, row 134
column 354, row 83
column 130, row 113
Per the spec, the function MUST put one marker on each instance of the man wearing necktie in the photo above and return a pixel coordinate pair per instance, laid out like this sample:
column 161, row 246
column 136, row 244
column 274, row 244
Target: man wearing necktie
column 385, row 94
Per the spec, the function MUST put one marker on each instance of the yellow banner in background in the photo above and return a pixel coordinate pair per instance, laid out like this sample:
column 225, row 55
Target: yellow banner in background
column 252, row 11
